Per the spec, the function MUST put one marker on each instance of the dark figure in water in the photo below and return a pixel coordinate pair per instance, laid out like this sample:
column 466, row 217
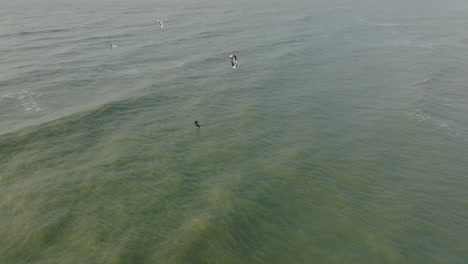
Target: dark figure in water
column 110, row 45
column 196, row 123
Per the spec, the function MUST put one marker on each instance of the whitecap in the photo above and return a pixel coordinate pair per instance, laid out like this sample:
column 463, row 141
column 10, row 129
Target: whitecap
column 426, row 118
column 27, row 101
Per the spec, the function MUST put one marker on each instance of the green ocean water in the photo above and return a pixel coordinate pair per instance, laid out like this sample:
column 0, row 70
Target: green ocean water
column 342, row 136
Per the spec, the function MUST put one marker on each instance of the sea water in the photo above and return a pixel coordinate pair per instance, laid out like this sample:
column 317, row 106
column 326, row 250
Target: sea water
column 341, row 137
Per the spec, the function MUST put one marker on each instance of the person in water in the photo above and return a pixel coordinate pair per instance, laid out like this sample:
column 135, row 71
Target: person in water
column 196, row 124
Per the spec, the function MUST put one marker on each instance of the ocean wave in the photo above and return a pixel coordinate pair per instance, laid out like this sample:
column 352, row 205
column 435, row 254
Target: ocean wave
column 105, row 37
column 208, row 34
column 387, row 25
column 38, row 32
column 111, row 110
column 24, row 100
column 435, row 121
column 426, row 117
column 427, row 81
column 448, row 101
column 307, row 19
column 415, row 44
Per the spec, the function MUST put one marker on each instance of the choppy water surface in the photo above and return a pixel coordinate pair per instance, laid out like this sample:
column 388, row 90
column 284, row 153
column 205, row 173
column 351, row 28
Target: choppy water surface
column 342, row 136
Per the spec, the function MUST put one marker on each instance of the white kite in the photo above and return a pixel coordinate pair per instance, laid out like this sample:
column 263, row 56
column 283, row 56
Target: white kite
column 233, row 61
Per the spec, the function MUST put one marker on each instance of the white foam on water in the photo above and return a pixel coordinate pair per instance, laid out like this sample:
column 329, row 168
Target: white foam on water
column 426, row 118
column 25, row 100
column 6, row 95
